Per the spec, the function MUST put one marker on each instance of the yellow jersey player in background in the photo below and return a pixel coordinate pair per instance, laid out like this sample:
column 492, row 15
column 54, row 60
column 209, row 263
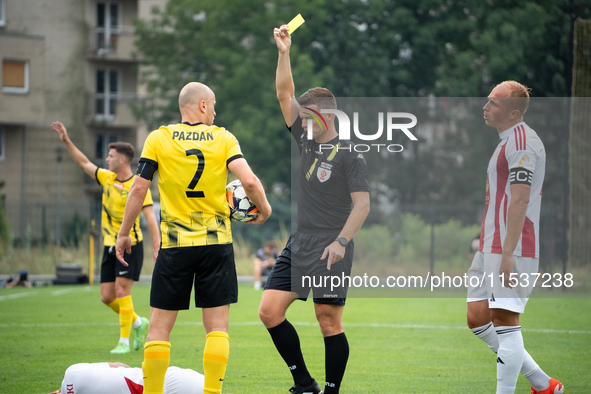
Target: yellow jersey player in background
column 192, row 159
column 116, row 279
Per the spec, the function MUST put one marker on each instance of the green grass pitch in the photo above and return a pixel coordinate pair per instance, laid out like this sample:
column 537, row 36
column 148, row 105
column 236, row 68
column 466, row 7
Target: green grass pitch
column 404, row 345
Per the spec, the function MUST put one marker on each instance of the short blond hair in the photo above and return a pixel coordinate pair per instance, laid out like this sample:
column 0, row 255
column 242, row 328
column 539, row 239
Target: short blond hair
column 521, row 94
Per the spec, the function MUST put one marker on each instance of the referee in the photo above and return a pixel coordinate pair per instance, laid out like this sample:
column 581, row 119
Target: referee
column 192, row 159
column 329, row 182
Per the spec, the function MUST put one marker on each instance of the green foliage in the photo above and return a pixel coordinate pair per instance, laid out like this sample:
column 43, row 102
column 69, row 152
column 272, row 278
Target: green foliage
column 423, row 342
column 76, row 229
column 228, row 46
column 407, row 245
column 360, row 48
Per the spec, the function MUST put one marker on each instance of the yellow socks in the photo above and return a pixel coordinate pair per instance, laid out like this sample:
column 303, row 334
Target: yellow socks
column 215, row 359
column 125, row 315
column 156, row 360
column 114, row 305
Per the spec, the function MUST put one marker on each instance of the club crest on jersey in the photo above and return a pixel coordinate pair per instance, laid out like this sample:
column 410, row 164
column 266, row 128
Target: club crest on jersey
column 524, row 162
column 324, row 172
column 119, row 186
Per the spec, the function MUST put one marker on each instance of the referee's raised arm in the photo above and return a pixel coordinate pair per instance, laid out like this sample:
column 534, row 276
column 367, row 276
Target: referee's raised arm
column 283, row 78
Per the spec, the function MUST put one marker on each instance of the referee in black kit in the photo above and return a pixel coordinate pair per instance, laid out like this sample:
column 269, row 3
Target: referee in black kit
column 330, row 181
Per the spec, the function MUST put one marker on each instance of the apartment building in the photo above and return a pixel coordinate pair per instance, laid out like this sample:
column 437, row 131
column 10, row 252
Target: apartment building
column 73, row 61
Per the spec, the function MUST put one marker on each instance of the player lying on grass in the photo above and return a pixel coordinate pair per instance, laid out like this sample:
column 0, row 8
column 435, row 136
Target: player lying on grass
column 111, row 378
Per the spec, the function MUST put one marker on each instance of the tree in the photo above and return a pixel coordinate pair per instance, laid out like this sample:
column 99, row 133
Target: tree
column 228, row 46
column 371, row 48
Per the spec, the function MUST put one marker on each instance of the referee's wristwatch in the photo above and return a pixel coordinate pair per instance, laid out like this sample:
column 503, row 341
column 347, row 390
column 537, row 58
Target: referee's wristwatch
column 342, row 240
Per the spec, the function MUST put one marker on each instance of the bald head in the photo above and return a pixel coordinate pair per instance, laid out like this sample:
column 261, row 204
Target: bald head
column 196, row 103
column 192, row 93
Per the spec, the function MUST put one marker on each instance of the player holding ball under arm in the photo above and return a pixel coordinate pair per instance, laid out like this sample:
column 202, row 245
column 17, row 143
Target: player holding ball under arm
column 192, row 159
column 330, row 181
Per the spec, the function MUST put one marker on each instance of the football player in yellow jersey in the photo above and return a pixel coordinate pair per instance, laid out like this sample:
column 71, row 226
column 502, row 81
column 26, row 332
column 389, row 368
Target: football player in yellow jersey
column 192, row 159
column 116, row 279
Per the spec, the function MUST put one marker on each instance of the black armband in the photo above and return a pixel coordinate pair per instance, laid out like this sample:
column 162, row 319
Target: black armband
column 146, row 168
column 231, row 159
column 520, row 176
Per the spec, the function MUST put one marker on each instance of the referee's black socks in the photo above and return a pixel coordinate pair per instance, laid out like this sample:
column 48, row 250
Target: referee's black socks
column 336, row 354
column 287, row 342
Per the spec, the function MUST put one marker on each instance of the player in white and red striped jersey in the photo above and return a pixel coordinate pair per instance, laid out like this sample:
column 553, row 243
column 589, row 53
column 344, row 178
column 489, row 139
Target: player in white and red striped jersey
column 118, row 378
column 509, row 241
column 519, row 159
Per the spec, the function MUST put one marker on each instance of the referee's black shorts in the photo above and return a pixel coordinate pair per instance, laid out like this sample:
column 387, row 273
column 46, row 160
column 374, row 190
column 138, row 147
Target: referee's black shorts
column 298, row 269
column 111, row 268
column 210, row 268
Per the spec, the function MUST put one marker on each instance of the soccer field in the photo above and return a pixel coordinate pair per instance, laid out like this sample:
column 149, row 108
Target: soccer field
column 397, row 345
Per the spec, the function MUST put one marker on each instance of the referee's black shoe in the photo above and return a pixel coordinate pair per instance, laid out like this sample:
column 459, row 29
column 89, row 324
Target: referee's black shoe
column 313, row 388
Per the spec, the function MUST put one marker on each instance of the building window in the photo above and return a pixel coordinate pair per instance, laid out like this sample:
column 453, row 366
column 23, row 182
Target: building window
column 102, row 145
column 2, row 12
column 107, row 93
column 2, row 145
column 108, row 24
column 15, row 76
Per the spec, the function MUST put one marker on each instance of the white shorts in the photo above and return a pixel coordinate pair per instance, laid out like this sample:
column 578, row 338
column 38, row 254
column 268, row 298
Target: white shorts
column 484, row 282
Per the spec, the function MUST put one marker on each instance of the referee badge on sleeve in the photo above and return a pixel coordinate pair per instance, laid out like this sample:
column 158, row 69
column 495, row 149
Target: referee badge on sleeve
column 324, row 172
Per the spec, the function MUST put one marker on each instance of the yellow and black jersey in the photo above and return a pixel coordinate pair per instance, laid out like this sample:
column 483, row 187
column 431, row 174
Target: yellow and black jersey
column 192, row 163
column 114, row 198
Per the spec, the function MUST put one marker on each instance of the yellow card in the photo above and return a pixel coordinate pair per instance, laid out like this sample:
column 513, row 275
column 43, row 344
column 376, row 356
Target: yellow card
column 295, row 23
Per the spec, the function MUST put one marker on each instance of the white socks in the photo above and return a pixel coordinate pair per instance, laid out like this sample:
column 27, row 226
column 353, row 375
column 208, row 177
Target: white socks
column 137, row 323
column 529, row 368
column 509, row 358
column 257, row 285
column 488, row 334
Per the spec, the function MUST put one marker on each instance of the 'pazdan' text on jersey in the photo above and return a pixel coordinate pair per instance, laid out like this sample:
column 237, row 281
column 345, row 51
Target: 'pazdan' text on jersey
column 114, row 198
column 520, row 158
column 192, row 163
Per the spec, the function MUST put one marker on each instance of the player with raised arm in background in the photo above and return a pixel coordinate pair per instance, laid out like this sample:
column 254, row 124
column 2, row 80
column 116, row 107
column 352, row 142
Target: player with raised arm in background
column 116, row 279
column 113, row 378
column 330, row 182
column 509, row 240
column 192, row 159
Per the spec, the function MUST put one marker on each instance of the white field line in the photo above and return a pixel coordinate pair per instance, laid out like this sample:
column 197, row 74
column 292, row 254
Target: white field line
column 70, row 290
column 242, row 324
column 17, row 295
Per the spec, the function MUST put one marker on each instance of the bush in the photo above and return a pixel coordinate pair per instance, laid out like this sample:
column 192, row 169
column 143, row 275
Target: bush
column 406, row 246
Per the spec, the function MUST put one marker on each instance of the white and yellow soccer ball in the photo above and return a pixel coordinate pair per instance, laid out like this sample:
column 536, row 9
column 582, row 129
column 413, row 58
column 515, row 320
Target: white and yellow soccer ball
column 241, row 208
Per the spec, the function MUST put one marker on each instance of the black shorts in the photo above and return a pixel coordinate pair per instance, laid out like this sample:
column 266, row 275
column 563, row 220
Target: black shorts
column 266, row 271
column 210, row 268
column 112, row 268
column 299, row 269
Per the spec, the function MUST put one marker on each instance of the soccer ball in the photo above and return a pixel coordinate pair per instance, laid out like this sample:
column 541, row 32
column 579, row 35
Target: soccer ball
column 241, row 208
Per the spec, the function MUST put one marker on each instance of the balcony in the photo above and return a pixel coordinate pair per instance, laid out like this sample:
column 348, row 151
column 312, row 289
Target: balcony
column 115, row 44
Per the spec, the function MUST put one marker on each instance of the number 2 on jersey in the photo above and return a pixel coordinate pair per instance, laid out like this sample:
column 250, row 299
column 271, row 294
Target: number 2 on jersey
column 198, row 173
